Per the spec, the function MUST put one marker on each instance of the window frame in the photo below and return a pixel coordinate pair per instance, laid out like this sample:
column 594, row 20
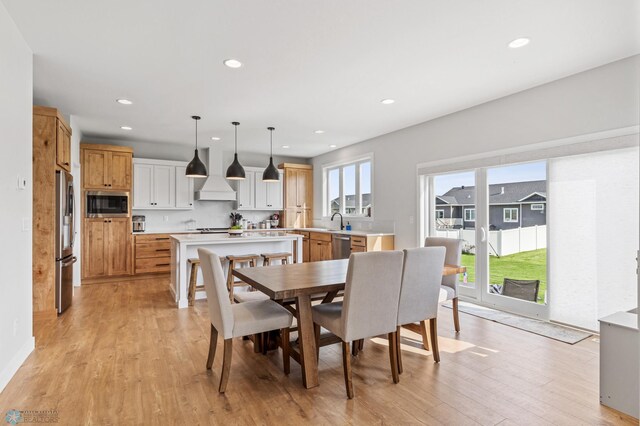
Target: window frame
column 340, row 166
column 510, row 219
column 438, row 214
column 464, row 214
column 540, row 205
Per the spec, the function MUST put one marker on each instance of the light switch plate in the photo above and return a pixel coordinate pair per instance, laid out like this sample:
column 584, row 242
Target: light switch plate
column 26, row 224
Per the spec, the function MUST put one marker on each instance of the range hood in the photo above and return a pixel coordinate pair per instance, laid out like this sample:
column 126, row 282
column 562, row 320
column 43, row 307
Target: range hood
column 216, row 187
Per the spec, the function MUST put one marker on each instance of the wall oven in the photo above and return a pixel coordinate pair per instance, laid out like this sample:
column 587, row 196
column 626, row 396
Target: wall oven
column 107, row 204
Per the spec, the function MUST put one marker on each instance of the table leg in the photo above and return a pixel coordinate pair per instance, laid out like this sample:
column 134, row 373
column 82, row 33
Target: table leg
column 309, row 361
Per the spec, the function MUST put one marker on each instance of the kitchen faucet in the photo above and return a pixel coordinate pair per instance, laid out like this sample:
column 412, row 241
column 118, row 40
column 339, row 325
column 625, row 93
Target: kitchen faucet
column 341, row 225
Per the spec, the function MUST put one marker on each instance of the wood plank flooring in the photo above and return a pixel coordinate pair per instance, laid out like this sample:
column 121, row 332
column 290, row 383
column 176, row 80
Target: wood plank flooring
column 124, row 355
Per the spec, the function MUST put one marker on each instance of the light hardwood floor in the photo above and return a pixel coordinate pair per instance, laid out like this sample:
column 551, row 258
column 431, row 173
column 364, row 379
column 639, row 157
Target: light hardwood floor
column 123, row 354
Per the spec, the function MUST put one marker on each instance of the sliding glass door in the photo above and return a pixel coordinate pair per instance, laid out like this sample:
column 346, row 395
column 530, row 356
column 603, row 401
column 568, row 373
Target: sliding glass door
column 500, row 213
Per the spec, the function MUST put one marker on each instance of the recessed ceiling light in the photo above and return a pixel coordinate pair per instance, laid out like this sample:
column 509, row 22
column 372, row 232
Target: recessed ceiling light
column 519, row 42
column 319, row 132
column 124, row 101
column 332, row 146
column 387, row 101
column 215, row 138
column 233, row 63
column 286, row 146
column 126, row 127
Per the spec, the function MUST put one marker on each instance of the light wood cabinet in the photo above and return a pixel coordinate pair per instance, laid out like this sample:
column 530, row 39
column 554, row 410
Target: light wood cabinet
column 153, row 254
column 51, row 146
column 320, row 246
column 298, row 195
column 372, row 243
column 106, row 247
column 106, row 167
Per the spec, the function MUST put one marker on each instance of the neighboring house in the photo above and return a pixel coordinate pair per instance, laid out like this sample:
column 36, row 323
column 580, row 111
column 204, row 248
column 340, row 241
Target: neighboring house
column 350, row 204
column 511, row 205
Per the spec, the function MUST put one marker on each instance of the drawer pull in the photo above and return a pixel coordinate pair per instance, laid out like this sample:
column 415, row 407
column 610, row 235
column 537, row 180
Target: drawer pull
column 163, row 264
column 162, row 239
column 163, row 249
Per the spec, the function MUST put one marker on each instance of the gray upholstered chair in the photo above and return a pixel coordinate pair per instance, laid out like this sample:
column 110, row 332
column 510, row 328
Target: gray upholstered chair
column 421, row 277
column 369, row 307
column 449, row 288
column 238, row 319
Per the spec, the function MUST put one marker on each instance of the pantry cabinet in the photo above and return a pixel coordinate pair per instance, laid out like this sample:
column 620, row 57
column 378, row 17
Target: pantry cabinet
column 106, row 167
column 297, row 195
column 107, row 247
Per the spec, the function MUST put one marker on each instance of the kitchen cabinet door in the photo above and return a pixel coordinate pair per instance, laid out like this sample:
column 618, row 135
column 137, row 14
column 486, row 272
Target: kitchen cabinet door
column 291, row 188
column 319, row 250
column 184, row 189
column 119, row 259
column 302, row 181
column 63, row 147
column 119, row 170
column 94, row 248
column 274, row 194
column 305, row 250
column 245, row 192
column 142, row 186
column 94, row 169
column 164, row 186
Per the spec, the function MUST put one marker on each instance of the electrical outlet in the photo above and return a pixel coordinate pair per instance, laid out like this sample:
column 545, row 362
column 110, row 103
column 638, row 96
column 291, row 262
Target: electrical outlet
column 22, row 183
column 411, row 220
column 26, row 224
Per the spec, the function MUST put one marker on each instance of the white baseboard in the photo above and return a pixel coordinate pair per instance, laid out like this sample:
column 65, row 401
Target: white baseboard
column 16, row 362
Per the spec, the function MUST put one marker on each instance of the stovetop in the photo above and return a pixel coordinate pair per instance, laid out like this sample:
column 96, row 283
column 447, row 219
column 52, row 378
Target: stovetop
column 212, row 230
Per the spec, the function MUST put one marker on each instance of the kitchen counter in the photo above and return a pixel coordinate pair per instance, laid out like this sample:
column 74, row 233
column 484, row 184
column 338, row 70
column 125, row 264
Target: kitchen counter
column 358, row 233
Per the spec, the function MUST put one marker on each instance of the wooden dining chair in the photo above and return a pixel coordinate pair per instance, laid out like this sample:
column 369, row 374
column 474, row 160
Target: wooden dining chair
column 421, row 277
column 449, row 284
column 238, row 319
column 369, row 307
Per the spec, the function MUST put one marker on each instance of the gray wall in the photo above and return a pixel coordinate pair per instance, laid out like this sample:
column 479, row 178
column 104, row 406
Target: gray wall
column 600, row 99
column 16, row 89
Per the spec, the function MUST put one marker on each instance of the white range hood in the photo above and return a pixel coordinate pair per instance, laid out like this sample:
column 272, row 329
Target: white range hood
column 216, row 187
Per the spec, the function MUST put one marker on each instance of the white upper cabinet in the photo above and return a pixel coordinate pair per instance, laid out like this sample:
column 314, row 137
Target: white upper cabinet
column 245, row 192
column 254, row 194
column 184, row 189
column 159, row 184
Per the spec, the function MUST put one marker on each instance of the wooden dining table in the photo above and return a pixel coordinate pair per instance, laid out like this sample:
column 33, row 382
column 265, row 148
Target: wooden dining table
column 301, row 282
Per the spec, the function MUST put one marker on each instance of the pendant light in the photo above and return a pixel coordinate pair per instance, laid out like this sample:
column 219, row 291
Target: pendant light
column 235, row 170
column 271, row 174
column 196, row 168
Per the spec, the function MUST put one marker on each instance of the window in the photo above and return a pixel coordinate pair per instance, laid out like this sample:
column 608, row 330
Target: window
column 439, row 214
column 470, row 215
column 510, row 214
column 537, row 206
column 348, row 189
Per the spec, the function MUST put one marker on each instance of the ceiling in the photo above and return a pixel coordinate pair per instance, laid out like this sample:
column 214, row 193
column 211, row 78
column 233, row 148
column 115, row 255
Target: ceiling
column 308, row 65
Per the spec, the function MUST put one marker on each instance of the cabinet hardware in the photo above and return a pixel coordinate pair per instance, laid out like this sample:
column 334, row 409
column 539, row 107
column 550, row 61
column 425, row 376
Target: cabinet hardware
column 162, row 238
column 163, row 264
column 163, row 249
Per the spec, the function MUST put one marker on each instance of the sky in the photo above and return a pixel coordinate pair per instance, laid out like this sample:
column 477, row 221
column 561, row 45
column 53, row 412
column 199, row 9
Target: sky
column 350, row 180
column 505, row 174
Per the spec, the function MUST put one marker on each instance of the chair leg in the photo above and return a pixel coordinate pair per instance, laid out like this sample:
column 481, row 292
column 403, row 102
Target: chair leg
column 355, row 347
column 425, row 335
column 398, row 350
column 456, row 317
column 433, row 330
column 212, row 347
column 192, row 284
column 226, row 365
column 316, row 333
column 361, row 344
column 346, row 365
column 257, row 343
column 230, row 279
column 265, row 342
column 284, row 342
column 393, row 359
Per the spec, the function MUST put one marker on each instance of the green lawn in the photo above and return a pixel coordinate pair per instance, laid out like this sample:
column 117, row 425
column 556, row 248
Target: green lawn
column 527, row 265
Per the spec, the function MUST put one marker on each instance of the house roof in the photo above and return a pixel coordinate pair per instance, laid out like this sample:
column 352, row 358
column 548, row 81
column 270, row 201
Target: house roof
column 501, row 193
column 350, row 201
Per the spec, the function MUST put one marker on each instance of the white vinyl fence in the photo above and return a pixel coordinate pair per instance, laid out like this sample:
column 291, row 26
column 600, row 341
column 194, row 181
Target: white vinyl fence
column 503, row 242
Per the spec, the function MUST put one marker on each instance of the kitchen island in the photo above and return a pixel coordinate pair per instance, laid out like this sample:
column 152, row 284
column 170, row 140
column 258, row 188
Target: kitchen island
column 185, row 246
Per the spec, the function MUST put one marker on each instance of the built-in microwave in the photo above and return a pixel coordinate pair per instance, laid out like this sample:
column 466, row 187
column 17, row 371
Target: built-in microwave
column 107, row 204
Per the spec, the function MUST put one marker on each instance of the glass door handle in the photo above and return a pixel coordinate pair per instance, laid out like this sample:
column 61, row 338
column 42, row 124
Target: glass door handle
column 483, row 238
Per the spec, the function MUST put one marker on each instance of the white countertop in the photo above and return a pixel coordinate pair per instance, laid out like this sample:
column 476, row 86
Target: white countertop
column 228, row 239
column 358, row 233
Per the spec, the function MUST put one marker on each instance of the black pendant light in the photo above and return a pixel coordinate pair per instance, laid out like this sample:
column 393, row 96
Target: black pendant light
column 271, row 174
column 196, row 168
column 235, row 170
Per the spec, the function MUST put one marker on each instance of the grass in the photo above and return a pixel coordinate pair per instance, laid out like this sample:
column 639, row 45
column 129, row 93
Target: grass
column 527, row 265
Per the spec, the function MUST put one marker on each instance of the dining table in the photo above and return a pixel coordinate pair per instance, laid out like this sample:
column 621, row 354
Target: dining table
column 299, row 284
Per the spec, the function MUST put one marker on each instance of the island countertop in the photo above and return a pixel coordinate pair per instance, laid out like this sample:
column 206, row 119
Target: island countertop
column 228, row 239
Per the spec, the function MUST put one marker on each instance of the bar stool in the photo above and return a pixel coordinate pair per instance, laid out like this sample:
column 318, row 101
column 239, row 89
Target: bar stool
column 269, row 257
column 250, row 259
column 193, row 264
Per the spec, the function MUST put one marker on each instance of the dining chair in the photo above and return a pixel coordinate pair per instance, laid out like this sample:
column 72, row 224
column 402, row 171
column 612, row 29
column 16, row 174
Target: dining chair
column 369, row 306
column 449, row 284
column 419, row 293
column 238, row 319
column 521, row 289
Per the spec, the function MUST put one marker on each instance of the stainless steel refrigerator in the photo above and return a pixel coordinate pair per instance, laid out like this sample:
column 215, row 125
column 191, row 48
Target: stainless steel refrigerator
column 65, row 237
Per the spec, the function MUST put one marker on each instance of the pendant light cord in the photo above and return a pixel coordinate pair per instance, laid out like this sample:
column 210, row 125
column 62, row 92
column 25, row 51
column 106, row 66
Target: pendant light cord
column 196, row 135
column 235, row 127
column 271, row 138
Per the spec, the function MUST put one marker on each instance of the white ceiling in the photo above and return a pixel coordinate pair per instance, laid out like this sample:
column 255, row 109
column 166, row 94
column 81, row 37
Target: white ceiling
column 308, row 65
